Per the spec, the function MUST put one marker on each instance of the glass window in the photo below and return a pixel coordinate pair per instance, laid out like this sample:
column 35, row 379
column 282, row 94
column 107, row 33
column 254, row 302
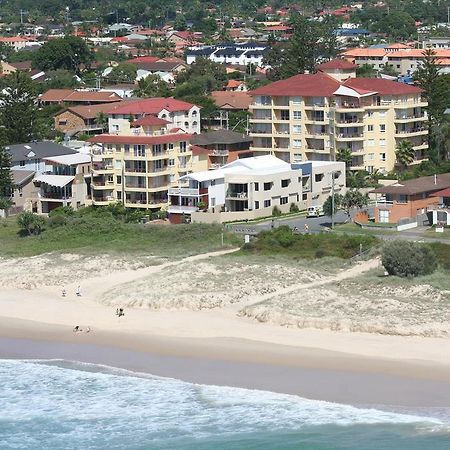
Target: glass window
column 267, row 186
column 267, row 203
column 369, row 127
column 297, row 115
column 297, row 143
column 285, row 183
column 256, row 205
column 296, row 100
column 382, row 142
column 297, row 129
column 256, row 186
column 283, row 200
column 382, row 128
column 382, row 156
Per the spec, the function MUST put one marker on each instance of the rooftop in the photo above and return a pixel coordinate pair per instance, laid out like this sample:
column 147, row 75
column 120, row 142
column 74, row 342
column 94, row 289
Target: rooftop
column 231, row 99
column 152, row 106
column 220, row 137
column 37, row 150
column 417, row 186
column 337, row 64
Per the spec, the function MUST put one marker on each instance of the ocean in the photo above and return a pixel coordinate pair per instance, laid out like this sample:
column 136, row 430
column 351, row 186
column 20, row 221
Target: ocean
column 67, row 405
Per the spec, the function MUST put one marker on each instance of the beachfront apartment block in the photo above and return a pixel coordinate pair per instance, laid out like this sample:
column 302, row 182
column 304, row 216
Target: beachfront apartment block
column 249, row 188
column 311, row 117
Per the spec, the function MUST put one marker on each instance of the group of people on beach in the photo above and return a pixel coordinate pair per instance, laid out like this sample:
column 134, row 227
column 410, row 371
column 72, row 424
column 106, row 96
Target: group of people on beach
column 78, row 329
column 119, row 312
column 77, row 291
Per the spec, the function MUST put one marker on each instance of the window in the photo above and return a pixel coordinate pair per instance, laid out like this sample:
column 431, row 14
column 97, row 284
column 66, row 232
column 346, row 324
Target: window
column 266, row 203
column 172, row 177
column 318, row 177
column 284, row 200
column 382, row 128
column 297, row 157
column 370, row 142
column 297, row 115
column 369, row 113
column 369, row 127
column 194, row 124
column 115, row 128
column 139, row 150
column 186, row 124
column 383, row 216
column 119, row 179
column 297, row 129
column 194, row 113
column 267, row 186
column 171, row 146
column 256, row 205
column 285, row 183
column 296, row 100
column 297, row 143
column 171, row 162
column 62, row 122
column 370, row 156
column 163, row 116
column 284, row 114
column 402, row 198
column 127, row 148
column 183, row 146
column 382, row 142
column 22, row 163
column 119, row 195
column 256, row 186
column 304, row 197
column 382, row 114
column 382, row 156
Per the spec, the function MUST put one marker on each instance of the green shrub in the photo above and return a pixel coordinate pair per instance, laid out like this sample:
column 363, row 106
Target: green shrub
column 293, row 208
column 62, row 211
column 57, row 220
column 276, row 211
column 30, row 223
column 408, row 259
column 320, row 253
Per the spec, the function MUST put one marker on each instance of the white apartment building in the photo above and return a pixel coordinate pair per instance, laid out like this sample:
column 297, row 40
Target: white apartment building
column 250, row 188
column 310, row 117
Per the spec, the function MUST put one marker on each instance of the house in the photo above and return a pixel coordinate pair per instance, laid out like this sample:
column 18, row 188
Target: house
column 80, row 97
column 24, row 190
column 66, row 184
column 16, row 42
column 31, row 156
column 440, row 213
column 250, row 188
column 409, row 199
column 232, row 100
column 236, row 86
column 311, row 117
column 180, row 114
column 83, row 118
column 222, row 147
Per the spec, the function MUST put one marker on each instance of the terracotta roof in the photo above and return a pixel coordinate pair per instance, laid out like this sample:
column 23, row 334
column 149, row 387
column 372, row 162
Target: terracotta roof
column 163, row 139
column 197, row 150
column 13, row 39
column 70, row 95
column 231, row 100
column 369, row 52
column 443, row 193
column 150, row 120
column 417, row 186
column 306, row 85
column 153, row 106
column 398, row 45
column 91, row 111
column 340, row 64
column 382, row 86
column 234, row 83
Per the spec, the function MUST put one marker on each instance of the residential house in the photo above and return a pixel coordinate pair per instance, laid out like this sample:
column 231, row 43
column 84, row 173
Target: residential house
column 24, row 190
column 182, row 115
column 83, row 118
column 67, row 184
column 31, row 156
column 77, row 97
column 16, row 42
column 249, row 188
column 409, row 199
column 143, row 155
column 222, row 147
column 440, row 213
column 236, row 86
column 310, row 117
column 228, row 101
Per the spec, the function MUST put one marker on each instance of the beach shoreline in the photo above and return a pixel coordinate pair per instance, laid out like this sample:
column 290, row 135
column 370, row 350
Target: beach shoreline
column 308, row 372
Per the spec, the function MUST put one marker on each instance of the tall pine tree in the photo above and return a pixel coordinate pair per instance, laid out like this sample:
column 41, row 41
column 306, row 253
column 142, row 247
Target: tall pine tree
column 6, row 181
column 18, row 111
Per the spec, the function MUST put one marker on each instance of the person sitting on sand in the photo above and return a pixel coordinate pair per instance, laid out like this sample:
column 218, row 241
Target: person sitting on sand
column 121, row 313
column 88, row 329
column 76, row 329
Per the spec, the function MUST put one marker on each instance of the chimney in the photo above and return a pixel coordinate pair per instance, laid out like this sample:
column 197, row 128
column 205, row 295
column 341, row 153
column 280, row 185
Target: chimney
column 435, row 179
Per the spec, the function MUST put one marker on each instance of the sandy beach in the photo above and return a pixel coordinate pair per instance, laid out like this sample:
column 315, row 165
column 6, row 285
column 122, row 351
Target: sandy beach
column 209, row 337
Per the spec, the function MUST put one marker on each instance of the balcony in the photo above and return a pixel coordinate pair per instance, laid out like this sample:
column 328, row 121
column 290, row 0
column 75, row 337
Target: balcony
column 218, row 153
column 350, row 137
column 356, row 122
column 414, row 118
column 418, row 131
column 184, row 192
column 233, row 195
column 103, row 185
column 180, row 209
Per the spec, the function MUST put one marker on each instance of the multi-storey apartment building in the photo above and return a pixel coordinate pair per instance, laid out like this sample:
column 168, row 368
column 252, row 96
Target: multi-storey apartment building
column 310, row 117
column 141, row 157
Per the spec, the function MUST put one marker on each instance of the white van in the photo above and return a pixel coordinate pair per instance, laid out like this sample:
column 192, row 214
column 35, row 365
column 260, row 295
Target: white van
column 314, row 211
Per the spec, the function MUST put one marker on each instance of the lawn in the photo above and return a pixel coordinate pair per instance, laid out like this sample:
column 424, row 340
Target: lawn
column 91, row 234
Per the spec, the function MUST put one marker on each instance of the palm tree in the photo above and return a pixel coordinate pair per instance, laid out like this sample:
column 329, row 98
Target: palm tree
column 101, row 119
column 405, row 153
column 344, row 155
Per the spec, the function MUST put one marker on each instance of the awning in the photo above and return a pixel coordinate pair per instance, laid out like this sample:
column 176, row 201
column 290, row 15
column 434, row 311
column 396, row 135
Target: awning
column 70, row 160
column 350, row 92
column 55, row 180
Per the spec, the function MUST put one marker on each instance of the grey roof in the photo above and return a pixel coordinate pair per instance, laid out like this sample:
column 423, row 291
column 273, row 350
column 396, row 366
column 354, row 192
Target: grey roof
column 20, row 176
column 417, row 185
column 220, row 137
column 41, row 150
column 447, row 111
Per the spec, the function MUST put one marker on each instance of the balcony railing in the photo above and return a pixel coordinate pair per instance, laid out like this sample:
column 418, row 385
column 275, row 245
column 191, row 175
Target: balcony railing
column 188, row 192
column 241, row 195
column 218, row 153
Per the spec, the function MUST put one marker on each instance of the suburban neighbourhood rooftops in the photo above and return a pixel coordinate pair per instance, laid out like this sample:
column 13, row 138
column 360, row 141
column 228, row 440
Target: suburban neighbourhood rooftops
column 152, row 106
column 70, row 95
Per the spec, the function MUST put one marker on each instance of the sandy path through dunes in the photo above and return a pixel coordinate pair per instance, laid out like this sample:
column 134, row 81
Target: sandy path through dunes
column 353, row 271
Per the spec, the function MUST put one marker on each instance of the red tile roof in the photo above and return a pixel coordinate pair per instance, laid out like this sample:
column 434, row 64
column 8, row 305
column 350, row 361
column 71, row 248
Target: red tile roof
column 340, row 64
column 306, row 85
column 69, row 95
column 150, row 120
column 163, row 139
column 153, row 106
column 443, row 193
column 382, row 86
column 231, row 99
column 197, row 150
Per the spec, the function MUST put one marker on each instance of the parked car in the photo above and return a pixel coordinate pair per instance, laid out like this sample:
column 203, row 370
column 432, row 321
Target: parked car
column 314, row 211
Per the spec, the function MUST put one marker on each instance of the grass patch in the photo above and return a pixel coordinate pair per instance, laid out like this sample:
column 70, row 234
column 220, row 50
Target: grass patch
column 311, row 246
column 90, row 233
column 356, row 229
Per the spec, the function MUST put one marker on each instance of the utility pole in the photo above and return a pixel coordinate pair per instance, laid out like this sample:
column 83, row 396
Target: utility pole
column 332, row 199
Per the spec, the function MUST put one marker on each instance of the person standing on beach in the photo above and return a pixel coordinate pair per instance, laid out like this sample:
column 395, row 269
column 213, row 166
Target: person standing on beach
column 78, row 291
